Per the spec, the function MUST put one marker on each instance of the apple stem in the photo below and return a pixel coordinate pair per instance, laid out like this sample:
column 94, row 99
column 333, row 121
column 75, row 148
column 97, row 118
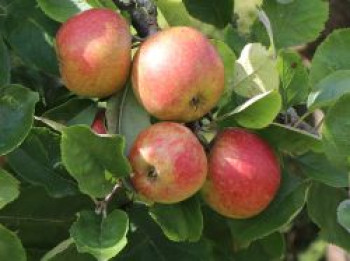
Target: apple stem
column 143, row 15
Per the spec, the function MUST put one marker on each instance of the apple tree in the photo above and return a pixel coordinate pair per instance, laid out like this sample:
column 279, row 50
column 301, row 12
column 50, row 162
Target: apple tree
column 171, row 130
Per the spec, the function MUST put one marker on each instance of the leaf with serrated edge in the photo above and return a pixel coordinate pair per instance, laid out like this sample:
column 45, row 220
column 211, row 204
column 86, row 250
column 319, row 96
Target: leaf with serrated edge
column 255, row 71
column 101, row 237
column 95, row 161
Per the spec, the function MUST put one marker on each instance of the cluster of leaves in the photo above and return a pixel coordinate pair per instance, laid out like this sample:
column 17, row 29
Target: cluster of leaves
column 57, row 169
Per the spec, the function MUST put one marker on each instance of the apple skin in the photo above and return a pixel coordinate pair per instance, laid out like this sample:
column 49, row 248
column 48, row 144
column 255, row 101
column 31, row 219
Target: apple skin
column 244, row 174
column 178, row 75
column 94, row 52
column 168, row 162
column 98, row 125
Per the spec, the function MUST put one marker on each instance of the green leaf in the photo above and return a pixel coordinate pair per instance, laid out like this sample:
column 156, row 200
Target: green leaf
column 268, row 248
column 217, row 232
column 331, row 55
column 205, row 15
column 322, row 207
column 31, row 35
column 36, row 213
column 287, row 204
column 75, row 111
column 255, row 71
column 4, row 64
column 317, row 167
column 9, row 188
column 126, row 116
column 10, row 246
column 329, row 90
column 38, row 161
column 180, row 222
column 293, row 77
column 295, row 23
column 335, row 132
column 256, row 113
column 17, row 106
column 61, row 10
column 146, row 241
column 290, row 140
column 343, row 214
column 66, row 251
column 228, row 57
column 101, row 237
column 94, row 161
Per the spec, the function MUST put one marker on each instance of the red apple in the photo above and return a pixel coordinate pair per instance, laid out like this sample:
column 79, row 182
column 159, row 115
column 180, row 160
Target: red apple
column 178, row 75
column 169, row 163
column 94, row 51
column 98, row 124
column 244, row 174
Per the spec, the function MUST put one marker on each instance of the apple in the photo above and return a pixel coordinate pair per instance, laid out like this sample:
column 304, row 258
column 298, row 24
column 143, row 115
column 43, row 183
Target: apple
column 98, row 125
column 244, row 174
column 178, row 75
column 94, row 52
column 169, row 164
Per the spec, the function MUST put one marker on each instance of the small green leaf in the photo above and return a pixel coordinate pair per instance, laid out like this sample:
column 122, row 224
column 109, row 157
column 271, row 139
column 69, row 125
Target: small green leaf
column 9, row 188
column 126, row 116
column 61, row 10
column 317, row 167
column 66, row 251
column 180, row 222
column 290, row 140
column 331, row 55
column 10, row 246
column 101, row 237
column 329, row 90
column 17, row 106
column 256, row 113
column 294, row 23
column 343, row 214
column 4, row 64
column 335, row 132
column 322, row 207
column 255, row 71
column 293, row 77
column 288, row 202
column 94, row 161
column 38, row 161
column 72, row 112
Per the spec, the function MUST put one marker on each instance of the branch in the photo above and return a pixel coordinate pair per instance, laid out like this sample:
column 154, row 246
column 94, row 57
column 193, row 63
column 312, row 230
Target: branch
column 143, row 15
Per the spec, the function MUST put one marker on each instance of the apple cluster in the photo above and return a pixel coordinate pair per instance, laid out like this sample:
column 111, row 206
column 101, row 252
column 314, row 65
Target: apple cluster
column 177, row 76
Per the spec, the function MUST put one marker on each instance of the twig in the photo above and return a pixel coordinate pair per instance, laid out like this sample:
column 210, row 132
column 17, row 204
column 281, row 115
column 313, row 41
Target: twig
column 143, row 15
column 101, row 206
